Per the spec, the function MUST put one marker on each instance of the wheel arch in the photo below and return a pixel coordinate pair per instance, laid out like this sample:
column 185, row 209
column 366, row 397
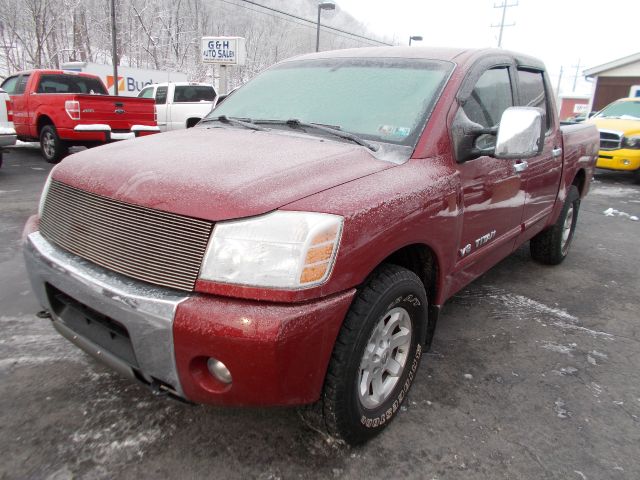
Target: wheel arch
column 43, row 120
column 580, row 180
column 422, row 260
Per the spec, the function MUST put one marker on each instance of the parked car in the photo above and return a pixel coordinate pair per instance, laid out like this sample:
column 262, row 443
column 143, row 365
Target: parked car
column 62, row 109
column 298, row 244
column 619, row 126
column 7, row 132
column 180, row 104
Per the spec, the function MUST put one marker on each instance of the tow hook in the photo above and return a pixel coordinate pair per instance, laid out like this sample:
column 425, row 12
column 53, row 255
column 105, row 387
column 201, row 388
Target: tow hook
column 43, row 314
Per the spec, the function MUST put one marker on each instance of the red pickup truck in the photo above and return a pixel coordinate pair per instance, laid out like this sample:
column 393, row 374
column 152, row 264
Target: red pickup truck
column 61, row 109
column 305, row 258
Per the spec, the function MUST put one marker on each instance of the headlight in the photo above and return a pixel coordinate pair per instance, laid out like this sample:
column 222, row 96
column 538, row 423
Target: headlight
column 631, row 142
column 43, row 195
column 289, row 250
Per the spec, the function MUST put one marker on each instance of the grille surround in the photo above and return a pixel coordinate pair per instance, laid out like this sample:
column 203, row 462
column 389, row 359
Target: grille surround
column 150, row 245
column 610, row 140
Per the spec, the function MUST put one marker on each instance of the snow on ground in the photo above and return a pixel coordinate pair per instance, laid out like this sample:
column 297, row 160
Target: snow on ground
column 109, row 433
column 616, row 191
column 612, row 212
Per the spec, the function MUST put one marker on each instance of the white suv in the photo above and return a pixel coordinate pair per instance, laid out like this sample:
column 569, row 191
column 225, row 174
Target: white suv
column 180, row 104
column 7, row 132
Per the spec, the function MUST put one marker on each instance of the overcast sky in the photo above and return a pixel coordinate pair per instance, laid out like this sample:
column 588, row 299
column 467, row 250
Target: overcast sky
column 559, row 32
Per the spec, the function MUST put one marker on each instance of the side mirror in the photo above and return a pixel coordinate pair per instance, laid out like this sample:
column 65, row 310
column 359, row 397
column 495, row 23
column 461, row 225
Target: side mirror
column 520, row 134
column 591, row 114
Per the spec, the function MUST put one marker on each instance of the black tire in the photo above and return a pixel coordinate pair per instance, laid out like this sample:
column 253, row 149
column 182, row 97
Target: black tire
column 389, row 289
column 551, row 246
column 52, row 147
column 636, row 175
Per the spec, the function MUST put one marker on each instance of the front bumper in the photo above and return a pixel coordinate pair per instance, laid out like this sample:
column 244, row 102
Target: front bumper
column 146, row 313
column 623, row 159
column 277, row 353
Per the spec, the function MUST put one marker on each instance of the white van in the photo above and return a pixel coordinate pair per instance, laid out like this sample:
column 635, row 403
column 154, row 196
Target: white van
column 180, row 104
column 130, row 80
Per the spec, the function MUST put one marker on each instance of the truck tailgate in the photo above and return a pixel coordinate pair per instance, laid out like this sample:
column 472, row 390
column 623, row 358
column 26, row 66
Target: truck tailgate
column 120, row 113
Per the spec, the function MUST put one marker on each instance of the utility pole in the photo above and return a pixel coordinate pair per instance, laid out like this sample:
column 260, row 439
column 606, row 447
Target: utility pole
column 575, row 77
column 504, row 7
column 114, row 51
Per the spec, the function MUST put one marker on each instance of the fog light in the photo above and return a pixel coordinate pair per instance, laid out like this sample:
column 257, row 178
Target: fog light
column 219, row 370
column 626, row 162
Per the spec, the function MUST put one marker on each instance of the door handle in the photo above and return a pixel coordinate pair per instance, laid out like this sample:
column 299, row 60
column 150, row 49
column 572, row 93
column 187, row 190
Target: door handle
column 520, row 166
column 556, row 152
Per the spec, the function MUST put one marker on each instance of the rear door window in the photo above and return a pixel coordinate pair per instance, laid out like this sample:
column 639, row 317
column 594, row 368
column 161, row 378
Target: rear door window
column 193, row 93
column 533, row 93
column 65, row 83
column 161, row 96
column 21, row 84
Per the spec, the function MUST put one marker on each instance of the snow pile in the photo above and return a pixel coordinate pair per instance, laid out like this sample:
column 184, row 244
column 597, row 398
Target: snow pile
column 612, row 212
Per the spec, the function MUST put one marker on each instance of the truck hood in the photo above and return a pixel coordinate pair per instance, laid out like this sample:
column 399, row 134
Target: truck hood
column 617, row 124
column 217, row 173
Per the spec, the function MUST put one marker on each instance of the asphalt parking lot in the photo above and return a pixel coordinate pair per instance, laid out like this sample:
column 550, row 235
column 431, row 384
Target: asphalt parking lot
column 534, row 373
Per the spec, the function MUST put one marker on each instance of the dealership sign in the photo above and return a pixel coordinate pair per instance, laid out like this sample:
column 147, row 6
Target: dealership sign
column 223, row 50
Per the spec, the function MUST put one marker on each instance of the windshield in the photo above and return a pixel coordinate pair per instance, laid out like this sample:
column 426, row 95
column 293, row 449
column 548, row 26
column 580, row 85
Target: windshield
column 628, row 109
column 66, row 83
column 381, row 99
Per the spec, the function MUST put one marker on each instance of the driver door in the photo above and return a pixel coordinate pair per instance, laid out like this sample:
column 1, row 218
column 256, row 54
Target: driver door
column 493, row 194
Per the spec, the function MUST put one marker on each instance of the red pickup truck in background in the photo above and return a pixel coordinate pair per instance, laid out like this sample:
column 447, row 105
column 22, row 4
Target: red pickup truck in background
column 306, row 257
column 61, row 109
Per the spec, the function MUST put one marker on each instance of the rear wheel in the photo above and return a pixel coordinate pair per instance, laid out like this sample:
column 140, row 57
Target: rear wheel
column 552, row 245
column 52, row 147
column 376, row 355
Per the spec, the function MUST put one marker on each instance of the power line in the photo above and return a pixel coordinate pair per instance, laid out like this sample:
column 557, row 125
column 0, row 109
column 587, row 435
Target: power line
column 295, row 22
column 504, row 7
column 312, row 22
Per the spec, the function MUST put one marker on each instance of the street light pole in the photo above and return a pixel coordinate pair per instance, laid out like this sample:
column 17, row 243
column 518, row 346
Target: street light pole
column 322, row 6
column 114, row 52
column 417, row 38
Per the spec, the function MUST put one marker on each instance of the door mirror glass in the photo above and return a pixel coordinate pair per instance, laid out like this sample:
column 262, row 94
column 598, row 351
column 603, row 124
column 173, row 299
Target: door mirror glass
column 521, row 134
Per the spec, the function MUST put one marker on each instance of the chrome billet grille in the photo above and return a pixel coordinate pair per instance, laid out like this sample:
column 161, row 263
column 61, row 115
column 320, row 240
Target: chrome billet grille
column 610, row 140
column 149, row 245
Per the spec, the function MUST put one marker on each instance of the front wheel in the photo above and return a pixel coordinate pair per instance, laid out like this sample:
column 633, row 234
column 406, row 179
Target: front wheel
column 552, row 245
column 53, row 148
column 376, row 355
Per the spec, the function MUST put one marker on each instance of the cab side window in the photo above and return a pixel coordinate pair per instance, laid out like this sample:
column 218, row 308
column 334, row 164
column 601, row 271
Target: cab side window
column 490, row 97
column 532, row 92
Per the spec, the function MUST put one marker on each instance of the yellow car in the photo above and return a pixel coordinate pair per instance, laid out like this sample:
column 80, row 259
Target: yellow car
column 619, row 126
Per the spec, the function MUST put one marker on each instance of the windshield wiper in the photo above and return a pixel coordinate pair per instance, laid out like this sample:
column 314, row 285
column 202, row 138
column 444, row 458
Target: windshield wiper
column 235, row 121
column 295, row 123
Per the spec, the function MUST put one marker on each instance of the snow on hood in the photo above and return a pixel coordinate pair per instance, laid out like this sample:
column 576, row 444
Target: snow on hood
column 217, row 173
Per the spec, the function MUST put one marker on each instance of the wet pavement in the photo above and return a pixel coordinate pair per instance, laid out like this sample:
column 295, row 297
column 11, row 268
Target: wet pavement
column 534, row 373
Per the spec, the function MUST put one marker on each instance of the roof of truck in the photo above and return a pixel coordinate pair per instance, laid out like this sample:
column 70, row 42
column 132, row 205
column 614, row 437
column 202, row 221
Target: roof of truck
column 457, row 55
column 55, row 72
